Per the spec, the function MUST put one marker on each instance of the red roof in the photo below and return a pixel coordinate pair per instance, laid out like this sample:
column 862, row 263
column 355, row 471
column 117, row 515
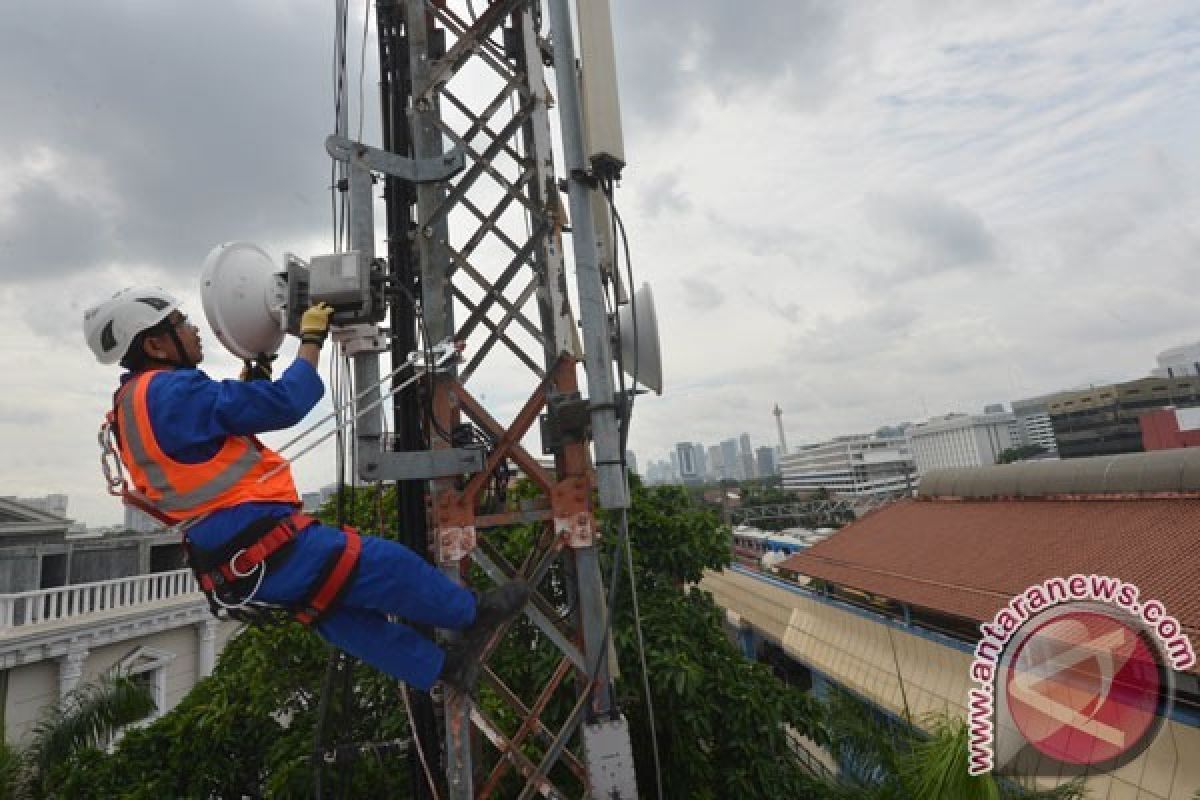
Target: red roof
column 969, row 557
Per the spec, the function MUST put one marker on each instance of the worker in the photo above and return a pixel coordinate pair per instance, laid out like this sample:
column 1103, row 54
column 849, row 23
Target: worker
column 187, row 443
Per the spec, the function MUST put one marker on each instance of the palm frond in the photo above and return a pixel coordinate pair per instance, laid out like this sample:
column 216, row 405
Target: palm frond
column 11, row 772
column 87, row 717
column 936, row 768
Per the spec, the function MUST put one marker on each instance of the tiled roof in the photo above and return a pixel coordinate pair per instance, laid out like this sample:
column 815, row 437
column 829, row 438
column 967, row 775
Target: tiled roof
column 969, row 557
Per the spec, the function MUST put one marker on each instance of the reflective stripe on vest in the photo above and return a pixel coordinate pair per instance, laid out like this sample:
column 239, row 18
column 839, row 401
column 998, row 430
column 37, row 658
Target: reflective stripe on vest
column 232, row 474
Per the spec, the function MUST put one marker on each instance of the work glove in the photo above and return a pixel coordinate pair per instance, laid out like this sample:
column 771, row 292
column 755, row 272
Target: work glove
column 314, row 324
column 259, row 369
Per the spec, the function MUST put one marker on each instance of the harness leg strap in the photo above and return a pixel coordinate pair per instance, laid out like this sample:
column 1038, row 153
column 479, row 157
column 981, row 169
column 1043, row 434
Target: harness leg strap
column 329, row 590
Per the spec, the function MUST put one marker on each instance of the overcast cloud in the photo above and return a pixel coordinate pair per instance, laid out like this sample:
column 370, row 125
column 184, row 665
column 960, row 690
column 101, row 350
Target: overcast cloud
column 865, row 212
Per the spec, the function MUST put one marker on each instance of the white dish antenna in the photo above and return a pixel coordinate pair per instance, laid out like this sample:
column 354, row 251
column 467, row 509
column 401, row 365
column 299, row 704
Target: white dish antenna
column 245, row 299
column 640, row 355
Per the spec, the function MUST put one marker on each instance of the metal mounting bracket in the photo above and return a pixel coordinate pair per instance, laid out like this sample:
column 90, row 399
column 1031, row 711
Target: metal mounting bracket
column 418, row 465
column 422, row 170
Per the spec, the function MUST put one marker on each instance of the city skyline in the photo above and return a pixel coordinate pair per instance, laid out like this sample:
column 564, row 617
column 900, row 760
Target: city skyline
column 902, row 228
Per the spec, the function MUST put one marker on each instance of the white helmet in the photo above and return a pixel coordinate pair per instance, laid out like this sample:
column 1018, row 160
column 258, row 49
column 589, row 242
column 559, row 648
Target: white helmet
column 111, row 326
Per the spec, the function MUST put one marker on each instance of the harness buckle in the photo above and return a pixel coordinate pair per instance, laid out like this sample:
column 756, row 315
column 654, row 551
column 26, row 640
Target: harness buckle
column 234, row 568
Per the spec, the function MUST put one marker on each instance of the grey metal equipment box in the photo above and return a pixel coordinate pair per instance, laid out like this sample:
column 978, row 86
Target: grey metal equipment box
column 342, row 279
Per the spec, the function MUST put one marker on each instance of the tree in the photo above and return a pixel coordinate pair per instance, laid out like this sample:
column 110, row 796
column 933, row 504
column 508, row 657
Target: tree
column 719, row 718
column 885, row 759
column 69, row 734
column 248, row 729
column 11, row 771
column 720, row 721
column 1021, row 453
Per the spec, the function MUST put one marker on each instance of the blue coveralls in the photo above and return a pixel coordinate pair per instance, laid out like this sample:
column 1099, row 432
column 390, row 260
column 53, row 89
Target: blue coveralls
column 191, row 415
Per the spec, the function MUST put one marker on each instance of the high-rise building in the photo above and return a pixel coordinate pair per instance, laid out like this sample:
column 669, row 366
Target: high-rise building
column 747, row 456
column 688, row 469
column 860, row 464
column 716, row 464
column 631, row 462
column 778, row 412
column 962, row 440
column 701, row 459
column 766, row 462
column 1033, row 423
column 1103, row 420
column 729, row 458
column 1178, row 362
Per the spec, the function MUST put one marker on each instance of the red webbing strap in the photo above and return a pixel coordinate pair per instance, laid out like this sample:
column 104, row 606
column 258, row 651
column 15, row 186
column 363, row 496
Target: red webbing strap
column 274, row 539
column 246, row 560
column 329, row 590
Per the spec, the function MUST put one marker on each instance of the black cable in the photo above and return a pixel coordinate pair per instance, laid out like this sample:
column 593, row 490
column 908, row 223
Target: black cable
column 427, row 349
column 319, row 729
column 623, row 538
column 345, row 774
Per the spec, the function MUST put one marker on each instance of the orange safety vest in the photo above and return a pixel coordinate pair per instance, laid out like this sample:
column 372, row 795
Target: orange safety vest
column 182, row 491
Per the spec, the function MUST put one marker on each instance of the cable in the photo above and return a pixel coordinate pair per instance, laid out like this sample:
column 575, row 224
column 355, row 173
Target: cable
column 431, row 419
column 339, row 84
column 362, row 65
column 619, row 226
column 412, row 727
column 637, row 617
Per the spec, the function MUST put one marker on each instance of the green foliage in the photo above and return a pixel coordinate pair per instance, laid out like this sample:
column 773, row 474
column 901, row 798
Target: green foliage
column 888, row 760
column 83, row 722
column 936, row 768
column 719, row 719
column 248, row 729
column 12, row 771
column 1019, row 453
column 674, row 539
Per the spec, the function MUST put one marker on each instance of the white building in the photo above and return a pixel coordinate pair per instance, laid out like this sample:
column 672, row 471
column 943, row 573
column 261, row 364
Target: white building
column 76, row 608
column 687, row 467
column 1178, row 362
column 961, row 440
column 747, row 457
column 716, row 463
column 55, row 504
column 1033, row 423
column 862, row 464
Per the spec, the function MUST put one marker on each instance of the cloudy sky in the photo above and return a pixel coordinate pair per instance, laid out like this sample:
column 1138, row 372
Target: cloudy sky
column 866, row 212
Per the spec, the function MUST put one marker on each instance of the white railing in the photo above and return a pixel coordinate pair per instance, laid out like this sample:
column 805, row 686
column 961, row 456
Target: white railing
column 24, row 609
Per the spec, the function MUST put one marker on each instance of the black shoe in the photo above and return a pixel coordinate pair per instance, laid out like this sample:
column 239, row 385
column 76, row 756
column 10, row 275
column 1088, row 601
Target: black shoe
column 492, row 610
column 498, row 606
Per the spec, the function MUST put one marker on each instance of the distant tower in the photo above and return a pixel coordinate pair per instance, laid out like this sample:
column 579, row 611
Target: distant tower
column 779, row 424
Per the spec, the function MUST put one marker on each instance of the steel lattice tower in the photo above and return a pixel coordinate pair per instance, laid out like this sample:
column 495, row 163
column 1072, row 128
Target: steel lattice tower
column 482, row 254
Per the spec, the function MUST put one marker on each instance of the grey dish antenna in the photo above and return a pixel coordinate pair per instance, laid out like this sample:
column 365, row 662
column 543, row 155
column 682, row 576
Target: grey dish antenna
column 641, row 358
column 245, row 299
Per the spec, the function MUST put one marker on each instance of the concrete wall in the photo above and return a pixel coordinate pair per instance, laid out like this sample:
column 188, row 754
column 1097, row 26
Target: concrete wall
column 889, row 665
column 31, row 687
column 19, row 570
column 90, row 564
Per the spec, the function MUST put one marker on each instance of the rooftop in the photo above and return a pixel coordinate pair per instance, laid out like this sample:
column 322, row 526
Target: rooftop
column 969, row 558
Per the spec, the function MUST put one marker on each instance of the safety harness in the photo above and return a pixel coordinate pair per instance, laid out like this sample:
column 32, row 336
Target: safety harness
column 230, row 575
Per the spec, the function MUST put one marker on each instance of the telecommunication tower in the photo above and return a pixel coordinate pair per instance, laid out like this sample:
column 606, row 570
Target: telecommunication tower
column 476, row 256
column 474, row 288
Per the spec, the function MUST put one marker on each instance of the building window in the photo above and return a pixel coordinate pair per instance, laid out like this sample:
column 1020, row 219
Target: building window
column 148, row 666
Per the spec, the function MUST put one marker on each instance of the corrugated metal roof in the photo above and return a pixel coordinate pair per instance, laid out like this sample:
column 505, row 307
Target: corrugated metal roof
column 1157, row 472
